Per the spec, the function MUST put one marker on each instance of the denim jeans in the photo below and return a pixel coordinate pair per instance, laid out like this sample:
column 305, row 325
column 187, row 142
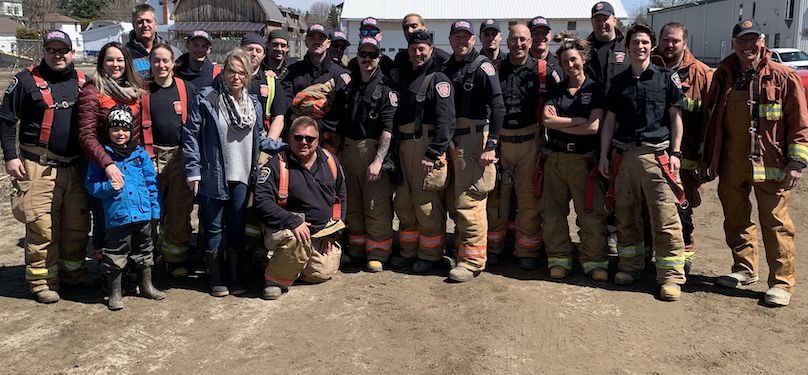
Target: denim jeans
column 213, row 211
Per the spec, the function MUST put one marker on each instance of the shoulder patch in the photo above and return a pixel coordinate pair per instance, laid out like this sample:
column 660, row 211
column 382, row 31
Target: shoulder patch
column 488, row 68
column 12, row 85
column 556, row 77
column 586, row 98
column 619, row 57
column 676, row 80
column 263, row 174
column 443, row 89
column 393, row 96
column 345, row 78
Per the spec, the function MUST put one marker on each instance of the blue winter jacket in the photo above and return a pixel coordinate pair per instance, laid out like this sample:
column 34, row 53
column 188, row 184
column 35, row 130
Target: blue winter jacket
column 202, row 145
column 137, row 200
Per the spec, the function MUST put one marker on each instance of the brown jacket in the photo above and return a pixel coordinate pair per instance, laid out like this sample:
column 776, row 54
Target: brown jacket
column 783, row 124
column 696, row 77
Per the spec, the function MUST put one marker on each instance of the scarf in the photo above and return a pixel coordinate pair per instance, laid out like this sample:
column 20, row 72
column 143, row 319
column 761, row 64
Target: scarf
column 122, row 94
column 240, row 113
column 123, row 151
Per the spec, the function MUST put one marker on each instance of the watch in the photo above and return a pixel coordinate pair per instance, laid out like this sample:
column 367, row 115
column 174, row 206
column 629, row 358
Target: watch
column 491, row 144
column 677, row 154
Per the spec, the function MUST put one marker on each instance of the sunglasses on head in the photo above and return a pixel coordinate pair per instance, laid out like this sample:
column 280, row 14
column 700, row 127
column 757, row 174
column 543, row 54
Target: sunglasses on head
column 300, row 138
column 368, row 54
column 368, row 32
column 61, row 51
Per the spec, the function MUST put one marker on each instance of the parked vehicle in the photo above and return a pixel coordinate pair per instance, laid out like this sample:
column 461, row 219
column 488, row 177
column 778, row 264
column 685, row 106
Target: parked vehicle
column 791, row 56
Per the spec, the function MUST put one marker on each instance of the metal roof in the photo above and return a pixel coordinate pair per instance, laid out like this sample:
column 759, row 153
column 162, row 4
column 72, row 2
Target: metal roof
column 474, row 9
column 213, row 27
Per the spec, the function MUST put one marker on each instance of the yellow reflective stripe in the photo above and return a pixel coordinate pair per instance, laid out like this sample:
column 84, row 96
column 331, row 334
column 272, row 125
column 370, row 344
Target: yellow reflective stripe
column 171, row 249
column 798, row 151
column 670, row 263
column 630, row 251
column 565, row 262
column 589, row 266
column 770, row 110
column 689, row 164
column 34, row 273
column 691, row 105
column 689, row 255
column 760, row 173
column 252, row 231
column 70, row 265
column 270, row 94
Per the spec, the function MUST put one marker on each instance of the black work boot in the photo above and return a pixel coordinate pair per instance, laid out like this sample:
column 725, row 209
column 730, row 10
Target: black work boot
column 233, row 273
column 214, row 261
column 147, row 289
column 114, row 277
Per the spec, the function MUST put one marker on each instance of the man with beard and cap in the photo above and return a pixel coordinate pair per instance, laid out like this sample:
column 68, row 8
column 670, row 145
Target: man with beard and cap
column 757, row 139
column 195, row 65
column 143, row 37
column 673, row 53
column 609, row 52
column 369, row 28
column 401, row 63
column 48, row 194
column 277, row 61
column 518, row 155
column 541, row 32
column 479, row 111
column 490, row 38
column 339, row 44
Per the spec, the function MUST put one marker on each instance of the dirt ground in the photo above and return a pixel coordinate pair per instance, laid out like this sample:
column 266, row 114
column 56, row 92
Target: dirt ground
column 505, row 322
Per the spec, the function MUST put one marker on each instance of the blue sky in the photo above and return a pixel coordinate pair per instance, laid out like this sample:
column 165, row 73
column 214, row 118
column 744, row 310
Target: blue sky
column 306, row 4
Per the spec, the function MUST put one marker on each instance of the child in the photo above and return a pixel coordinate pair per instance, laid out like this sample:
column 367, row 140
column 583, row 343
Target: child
column 128, row 208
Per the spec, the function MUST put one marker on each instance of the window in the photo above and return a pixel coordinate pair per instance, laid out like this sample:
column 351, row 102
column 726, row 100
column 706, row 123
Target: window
column 789, row 9
column 572, row 25
column 777, row 41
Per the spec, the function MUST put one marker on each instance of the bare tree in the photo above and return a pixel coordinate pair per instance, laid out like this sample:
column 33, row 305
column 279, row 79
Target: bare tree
column 318, row 13
column 118, row 10
column 36, row 10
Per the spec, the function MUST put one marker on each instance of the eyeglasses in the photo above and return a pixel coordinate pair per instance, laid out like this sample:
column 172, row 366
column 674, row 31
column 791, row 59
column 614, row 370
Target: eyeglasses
column 341, row 46
column 234, row 73
column 300, row 138
column 61, row 51
column 368, row 55
column 368, row 32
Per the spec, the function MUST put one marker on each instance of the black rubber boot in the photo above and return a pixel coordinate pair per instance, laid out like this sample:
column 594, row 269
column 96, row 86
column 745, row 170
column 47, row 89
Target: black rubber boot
column 147, row 289
column 234, row 273
column 217, row 287
column 114, row 277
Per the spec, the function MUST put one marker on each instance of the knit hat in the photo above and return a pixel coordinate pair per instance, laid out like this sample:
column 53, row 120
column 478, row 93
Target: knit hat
column 120, row 116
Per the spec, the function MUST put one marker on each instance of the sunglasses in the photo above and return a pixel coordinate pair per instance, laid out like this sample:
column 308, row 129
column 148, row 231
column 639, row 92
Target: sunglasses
column 300, row 138
column 368, row 55
column 368, row 32
column 61, row 51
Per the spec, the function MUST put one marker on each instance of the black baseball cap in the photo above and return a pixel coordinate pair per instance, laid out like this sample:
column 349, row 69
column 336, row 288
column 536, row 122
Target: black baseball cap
column 461, row 25
column 369, row 23
column 538, row 22
column 368, row 41
column 747, row 26
column 57, row 36
column 489, row 24
column 339, row 36
column 316, row 28
column 603, row 8
column 199, row 34
column 419, row 36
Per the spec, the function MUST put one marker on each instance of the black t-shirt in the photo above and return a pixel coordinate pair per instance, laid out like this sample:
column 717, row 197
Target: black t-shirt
column 166, row 112
column 590, row 96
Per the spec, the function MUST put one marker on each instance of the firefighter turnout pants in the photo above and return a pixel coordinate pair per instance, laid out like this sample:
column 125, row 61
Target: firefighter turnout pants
column 518, row 156
column 52, row 203
column 290, row 259
column 177, row 202
column 569, row 176
column 419, row 201
column 640, row 179
column 369, row 215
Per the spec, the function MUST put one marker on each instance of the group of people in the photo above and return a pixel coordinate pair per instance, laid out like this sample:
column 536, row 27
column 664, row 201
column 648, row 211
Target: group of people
column 300, row 159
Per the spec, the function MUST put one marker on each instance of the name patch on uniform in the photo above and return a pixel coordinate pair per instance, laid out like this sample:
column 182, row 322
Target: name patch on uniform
column 178, row 107
column 346, row 77
column 12, row 85
column 619, row 57
column 263, row 174
column 488, row 68
column 264, row 90
column 676, row 80
column 586, row 98
column 393, row 99
column 443, row 89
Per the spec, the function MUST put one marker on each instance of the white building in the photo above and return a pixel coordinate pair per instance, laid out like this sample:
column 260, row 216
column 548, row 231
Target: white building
column 11, row 8
column 164, row 10
column 68, row 25
column 102, row 32
column 710, row 22
column 566, row 15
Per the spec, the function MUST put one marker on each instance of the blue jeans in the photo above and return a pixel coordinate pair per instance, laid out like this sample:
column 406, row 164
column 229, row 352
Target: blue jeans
column 233, row 210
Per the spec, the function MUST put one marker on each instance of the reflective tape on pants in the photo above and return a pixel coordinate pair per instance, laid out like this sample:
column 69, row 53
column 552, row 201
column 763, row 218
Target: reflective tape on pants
column 670, row 263
column 564, row 262
column 630, row 250
column 32, row 273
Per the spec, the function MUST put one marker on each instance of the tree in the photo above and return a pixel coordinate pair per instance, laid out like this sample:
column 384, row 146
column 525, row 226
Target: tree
column 333, row 17
column 83, row 9
column 36, row 10
column 318, row 13
column 669, row 3
column 118, row 10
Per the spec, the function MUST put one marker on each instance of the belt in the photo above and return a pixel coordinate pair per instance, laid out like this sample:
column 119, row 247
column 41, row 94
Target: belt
column 467, row 131
column 44, row 160
column 409, row 136
column 572, row 147
column 517, row 138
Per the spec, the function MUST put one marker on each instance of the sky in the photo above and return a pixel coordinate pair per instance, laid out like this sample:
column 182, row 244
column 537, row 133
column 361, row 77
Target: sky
column 304, row 5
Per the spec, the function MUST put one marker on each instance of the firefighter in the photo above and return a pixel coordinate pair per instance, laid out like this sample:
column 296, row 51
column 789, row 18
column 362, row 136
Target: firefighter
column 369, row 28
column 643, row 125
column 572, row 117
column 48, row 195
column 277, row 60
column 195, row 66
column 541, row 34
column 411, row 23
column 491, row 38
column 757, row 139
column 473, row 150
column 423, row 135
column 608, row 47
column 673, row 53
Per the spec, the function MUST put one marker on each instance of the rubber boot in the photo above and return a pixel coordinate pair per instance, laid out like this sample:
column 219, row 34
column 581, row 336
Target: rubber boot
column 147, row 289
column 234, row 273
column 217, row 287
column 114, row 278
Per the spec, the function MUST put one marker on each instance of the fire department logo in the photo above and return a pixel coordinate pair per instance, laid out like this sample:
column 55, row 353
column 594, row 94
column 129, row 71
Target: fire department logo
column 598, row 6
column 345, row 78
column 463, row 24
column 586, row 98
column 264, row 90
column 317, row 27
column 556, row 77
column 619, row 57
column 393, row 96
column 12, row 85
column 263, row 175
column 395, row 75
column 443, row 89
column 746, row 24
column 178, row 107
column 56, row 34
column 676, row 80
column 370, row 21
column 489, row 22
column 201, row 33
column 488, row 68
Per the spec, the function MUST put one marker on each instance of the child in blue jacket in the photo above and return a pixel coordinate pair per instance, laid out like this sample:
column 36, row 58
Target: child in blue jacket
column 129, row 208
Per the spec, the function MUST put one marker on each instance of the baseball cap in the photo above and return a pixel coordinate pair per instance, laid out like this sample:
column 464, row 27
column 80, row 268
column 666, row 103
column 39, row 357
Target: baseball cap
column 367, row 41
column 278, row 33
column 461, row 25
column 252, row 38
column 337, row 36
column 199, row 34
column 747, row 26
column 419, row 36
column 57, row 36
column 602, row 7
column 369, row 22
column 538, row 22
column 489, row 24
column 316, row 28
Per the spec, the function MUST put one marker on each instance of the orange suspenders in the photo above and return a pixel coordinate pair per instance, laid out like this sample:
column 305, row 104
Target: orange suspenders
column 283, row 185
column 47, row 97
column 146, row 123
